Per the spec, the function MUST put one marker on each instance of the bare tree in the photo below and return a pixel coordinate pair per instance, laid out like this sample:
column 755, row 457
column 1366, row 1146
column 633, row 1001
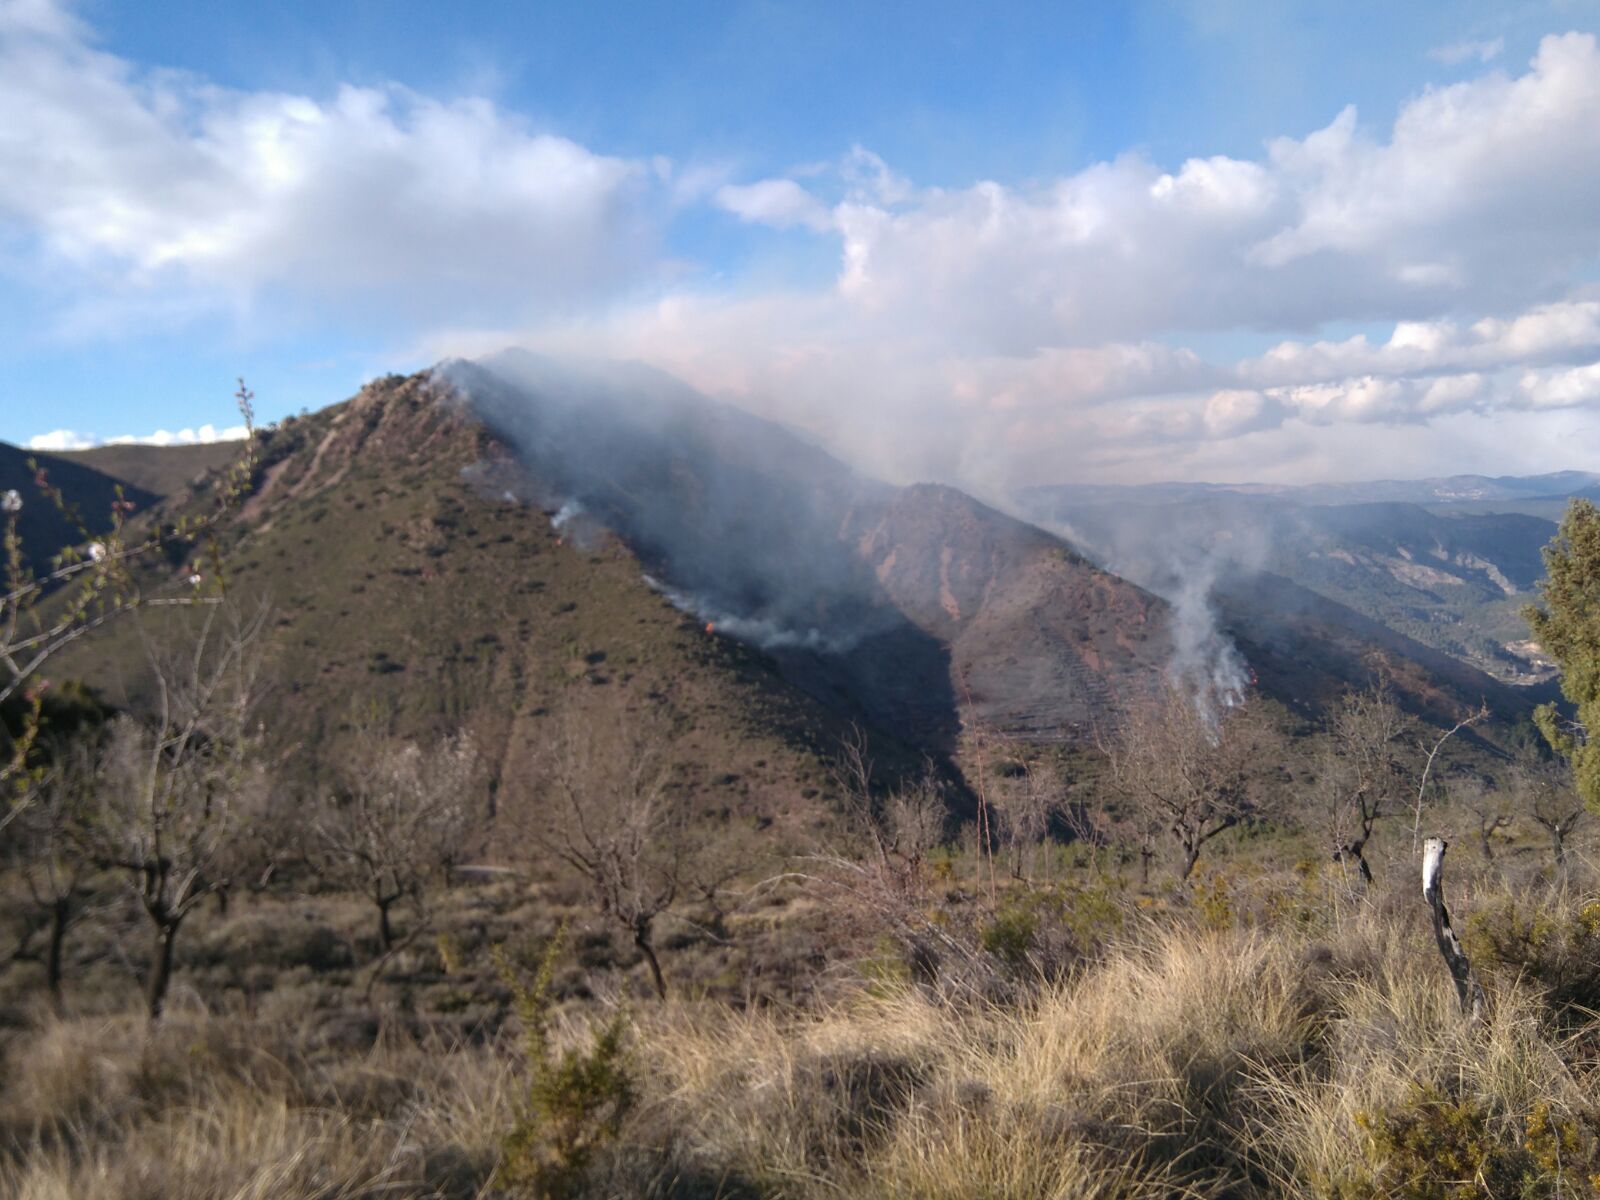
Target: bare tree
column 1488, row 807
column 1544, row 791
column 171, row 788
column 50, row 845
column 1466, row 722
column 1184, row 771
column 398, row 821
column 1360, row 771
column 613, row 816
column 89, row 583
column 1029, row 799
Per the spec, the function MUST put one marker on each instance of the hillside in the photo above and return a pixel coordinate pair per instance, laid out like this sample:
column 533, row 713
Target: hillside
column 918, row 607
column 44, row 528
column 158, row 470
column 496, row 544
column 400, row 581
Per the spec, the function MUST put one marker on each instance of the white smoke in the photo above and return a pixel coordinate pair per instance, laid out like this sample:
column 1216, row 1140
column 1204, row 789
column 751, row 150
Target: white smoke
column 762, row 632
column 1205, row 662
column 569, row 511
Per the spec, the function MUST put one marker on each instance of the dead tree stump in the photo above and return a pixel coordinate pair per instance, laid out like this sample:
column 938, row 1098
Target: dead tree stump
column 1468, row 989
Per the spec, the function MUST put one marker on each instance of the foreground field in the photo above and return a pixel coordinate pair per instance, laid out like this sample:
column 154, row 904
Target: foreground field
column 1275, row 1038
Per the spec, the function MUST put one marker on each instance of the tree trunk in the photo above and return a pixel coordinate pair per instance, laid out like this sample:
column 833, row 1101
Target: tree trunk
column 385, row 930
column 1468, row 989
column 1355, row 852
column 60, row 918
column 166, row 935
column 1191, row 855
column 641, row 939
column 1558, row 843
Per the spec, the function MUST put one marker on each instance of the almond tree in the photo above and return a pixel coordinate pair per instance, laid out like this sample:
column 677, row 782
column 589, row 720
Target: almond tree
column 1184, row 771
column 171, row 788
column 611, row 813
column 1544, row 791
column 88, row 584
column 1030, row 798
column 50, row 846
column 397, row 822
column 1359, row 774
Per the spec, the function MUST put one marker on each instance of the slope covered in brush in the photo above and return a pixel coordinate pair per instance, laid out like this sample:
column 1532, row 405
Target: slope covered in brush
column 408, row 576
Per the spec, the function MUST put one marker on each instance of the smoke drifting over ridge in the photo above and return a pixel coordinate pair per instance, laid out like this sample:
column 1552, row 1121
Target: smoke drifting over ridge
column 737, row 521
column 865, row 593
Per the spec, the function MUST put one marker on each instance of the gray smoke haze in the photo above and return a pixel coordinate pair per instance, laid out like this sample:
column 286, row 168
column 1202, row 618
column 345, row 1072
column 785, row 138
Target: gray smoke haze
column 736, row 520
column 746, row 526
column 1182, row 554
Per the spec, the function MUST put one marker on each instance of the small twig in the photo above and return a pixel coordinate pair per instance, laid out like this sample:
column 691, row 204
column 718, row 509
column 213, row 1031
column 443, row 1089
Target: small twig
column 1422, row 788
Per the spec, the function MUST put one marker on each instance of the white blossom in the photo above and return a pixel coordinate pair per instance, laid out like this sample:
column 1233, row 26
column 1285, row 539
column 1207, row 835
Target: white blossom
column 11, row 502
column 97, row 551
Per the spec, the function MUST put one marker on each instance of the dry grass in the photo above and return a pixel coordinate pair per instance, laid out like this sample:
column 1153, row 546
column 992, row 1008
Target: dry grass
column 1187, row 1061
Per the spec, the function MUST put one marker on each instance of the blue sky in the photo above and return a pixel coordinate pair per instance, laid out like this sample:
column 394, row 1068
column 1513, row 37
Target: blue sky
column 990, row 244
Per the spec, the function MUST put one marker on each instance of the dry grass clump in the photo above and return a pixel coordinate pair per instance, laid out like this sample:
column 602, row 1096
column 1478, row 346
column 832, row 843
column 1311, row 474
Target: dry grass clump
column 204, row 1106
column 1203, row 1063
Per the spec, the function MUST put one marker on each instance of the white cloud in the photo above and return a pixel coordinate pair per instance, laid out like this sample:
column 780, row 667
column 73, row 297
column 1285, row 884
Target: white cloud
column 1460, row 52
column 1482, row 196
column 67, row 439
column 1575, row 387
column 62, row 439
column 1567, row 330
column 781, row 203
column 151, row 181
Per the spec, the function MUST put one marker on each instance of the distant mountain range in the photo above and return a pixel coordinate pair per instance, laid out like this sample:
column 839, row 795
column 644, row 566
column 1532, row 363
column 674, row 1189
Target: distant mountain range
column 1453, row 576
column 1555, row 487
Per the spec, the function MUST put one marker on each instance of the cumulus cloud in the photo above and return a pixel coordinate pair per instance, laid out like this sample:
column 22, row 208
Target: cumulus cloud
column 67, row 439
column 1482, row 195
column 147, row 180
column 62, row 439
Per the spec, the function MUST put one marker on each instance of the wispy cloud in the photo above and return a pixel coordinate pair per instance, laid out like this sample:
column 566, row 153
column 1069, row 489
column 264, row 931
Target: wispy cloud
column 1460, row 52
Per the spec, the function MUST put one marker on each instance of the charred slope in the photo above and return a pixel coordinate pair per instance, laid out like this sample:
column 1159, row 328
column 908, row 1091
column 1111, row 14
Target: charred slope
column 1042, row 642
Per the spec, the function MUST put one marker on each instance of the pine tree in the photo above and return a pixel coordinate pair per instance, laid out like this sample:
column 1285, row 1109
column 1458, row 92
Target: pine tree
column 1567, row 625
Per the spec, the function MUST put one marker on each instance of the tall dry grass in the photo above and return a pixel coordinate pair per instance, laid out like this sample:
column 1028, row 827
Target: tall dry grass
column 1186, row 1061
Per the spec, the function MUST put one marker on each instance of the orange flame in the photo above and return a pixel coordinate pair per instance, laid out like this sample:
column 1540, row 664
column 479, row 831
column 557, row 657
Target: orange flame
column 711, row 626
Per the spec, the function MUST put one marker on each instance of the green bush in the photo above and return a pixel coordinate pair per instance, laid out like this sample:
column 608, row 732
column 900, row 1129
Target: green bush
column 1435, row 1147
column 1555, row 948
column 576, row 1099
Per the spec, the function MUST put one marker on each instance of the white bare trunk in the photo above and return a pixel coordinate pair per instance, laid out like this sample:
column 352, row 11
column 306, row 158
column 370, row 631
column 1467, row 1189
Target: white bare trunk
column 1468, row 989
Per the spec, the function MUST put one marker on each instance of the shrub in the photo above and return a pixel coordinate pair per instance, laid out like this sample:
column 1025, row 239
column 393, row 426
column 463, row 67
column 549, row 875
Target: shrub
column 576, row 1099
column 1434, row 1147
column 1556, row 947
